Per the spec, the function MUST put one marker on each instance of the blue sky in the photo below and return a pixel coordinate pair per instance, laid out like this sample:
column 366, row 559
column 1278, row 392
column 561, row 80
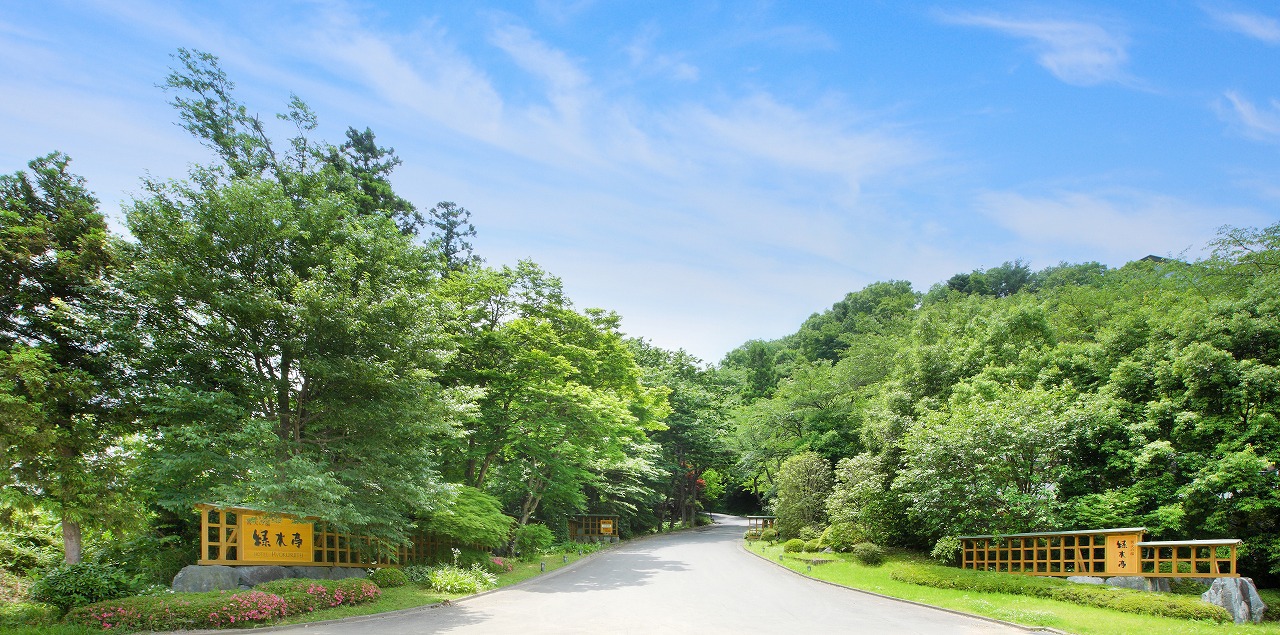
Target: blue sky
column 714, row 172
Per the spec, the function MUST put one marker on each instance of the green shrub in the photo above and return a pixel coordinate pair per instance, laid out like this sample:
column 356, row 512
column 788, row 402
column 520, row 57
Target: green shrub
column 16, row 614
column 750, row 534
column 770, row 535
column 417, row 574
column 795, row 545
column 947, row 550
column 808, row 533
column 1160, row 604
column 532, row 540
column 148, row 558
column 499, row 566
column 388, row 578
column 813, row 546
column 451, row 579
column 181, row 611
column 302, row 595
column 868, row 553
column 73, row 585
column 842, row 536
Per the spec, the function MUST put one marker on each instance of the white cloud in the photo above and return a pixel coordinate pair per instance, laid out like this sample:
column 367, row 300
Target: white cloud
column 1116, row 225
column 1262, row 123
column 644, row 59
column 1254, row 25
column 1078, row 53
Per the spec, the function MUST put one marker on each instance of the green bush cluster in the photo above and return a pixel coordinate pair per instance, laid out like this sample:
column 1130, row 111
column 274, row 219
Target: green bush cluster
column 217, row 609
column 181, row 611
column 769, row 535
column 388, row 578
column 813, row 546
column 69, row 586
column 418, row 574
column 868, row 553
column 452, row 579
column 842, row 536
column 808, row 533
column 795, row 545
column 30, row 550
column 532, row 540
column 304, row 596
column 947, row 550
column 1160, row 604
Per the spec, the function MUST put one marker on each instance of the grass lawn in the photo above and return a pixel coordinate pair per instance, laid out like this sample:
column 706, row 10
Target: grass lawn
column 1029, row 611
column 394, row 599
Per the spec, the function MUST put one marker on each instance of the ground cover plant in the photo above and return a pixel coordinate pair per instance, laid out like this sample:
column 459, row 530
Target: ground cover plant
column 1030, row 610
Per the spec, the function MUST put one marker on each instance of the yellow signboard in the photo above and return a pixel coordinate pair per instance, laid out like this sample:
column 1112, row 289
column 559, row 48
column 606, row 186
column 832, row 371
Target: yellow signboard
column 275, row 539
column 1122, row 554
column 606, row 527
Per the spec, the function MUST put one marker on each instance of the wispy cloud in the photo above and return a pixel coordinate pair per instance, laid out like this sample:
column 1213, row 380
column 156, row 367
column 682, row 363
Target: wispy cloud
column 1254, row 25
column 1121, row 224
column 1261, row 123
column 1078, row 53
column 644, row 59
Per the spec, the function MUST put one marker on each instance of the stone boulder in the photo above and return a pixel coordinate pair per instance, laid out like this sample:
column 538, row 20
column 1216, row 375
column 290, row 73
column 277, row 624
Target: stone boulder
column 1239, row 596
column 197, row 578
column 1139, row 583
column 255, row 575
column 1085, row 579
column 327, row 573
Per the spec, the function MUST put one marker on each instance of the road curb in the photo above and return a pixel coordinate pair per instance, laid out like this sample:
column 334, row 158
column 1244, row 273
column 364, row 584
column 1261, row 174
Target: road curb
column 1029, row 629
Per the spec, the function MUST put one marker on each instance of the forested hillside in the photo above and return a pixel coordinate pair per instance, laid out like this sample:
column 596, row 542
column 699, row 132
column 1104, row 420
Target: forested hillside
column 1006, row 400
column 282, row 331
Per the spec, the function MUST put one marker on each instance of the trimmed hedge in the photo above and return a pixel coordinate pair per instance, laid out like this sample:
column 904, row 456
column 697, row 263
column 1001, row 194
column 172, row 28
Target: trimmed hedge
column 217, row 609
column 868, row 553
column 72, row 585
column 1159, row 604
column 795, row 545
column 387, row 578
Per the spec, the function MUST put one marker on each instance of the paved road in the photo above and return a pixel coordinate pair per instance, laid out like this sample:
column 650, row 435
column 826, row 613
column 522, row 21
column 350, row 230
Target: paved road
column 690, row 582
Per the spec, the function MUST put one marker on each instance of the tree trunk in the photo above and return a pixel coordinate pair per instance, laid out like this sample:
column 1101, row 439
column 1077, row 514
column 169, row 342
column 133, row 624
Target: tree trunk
column 71, row 541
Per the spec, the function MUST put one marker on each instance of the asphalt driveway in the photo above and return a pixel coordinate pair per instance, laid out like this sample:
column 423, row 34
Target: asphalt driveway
column 697, row 581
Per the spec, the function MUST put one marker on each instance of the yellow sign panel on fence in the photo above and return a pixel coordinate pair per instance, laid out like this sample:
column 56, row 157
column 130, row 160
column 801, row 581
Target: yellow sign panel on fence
column 275, row 539
column 606, row 527
column 1122, row 554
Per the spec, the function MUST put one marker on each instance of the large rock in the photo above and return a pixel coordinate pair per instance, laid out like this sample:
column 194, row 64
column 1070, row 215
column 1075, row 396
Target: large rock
column 1239, row 596
column 196, row 578
column 327, row 573
column 255, row 575
column 1139, row 583
column 1085, row 579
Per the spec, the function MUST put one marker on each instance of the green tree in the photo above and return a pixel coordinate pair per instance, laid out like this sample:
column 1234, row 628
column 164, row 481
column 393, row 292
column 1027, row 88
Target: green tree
column 291, row 345
column 61, row 429
column 804, row 481
column 450, row 230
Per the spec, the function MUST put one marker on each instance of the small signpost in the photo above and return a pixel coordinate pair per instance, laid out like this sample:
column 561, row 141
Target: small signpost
column 593, row 528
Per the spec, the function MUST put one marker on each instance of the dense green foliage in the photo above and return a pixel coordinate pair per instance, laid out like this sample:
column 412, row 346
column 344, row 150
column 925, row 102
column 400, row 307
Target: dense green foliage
column 1008, row 400
column 276, row 333
column 532, row 540
column 187, row 611
column 868, row 553
column 388, row 578
column 1181, row 607
column 72, row 585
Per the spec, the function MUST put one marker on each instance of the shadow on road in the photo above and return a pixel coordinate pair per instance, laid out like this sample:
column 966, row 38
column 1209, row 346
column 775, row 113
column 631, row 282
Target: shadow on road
column 625, row 569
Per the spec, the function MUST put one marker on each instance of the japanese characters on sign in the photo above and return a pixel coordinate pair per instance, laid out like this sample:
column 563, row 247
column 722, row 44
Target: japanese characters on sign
column 275, row 539
column 1122, row 554
column 606, row 527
